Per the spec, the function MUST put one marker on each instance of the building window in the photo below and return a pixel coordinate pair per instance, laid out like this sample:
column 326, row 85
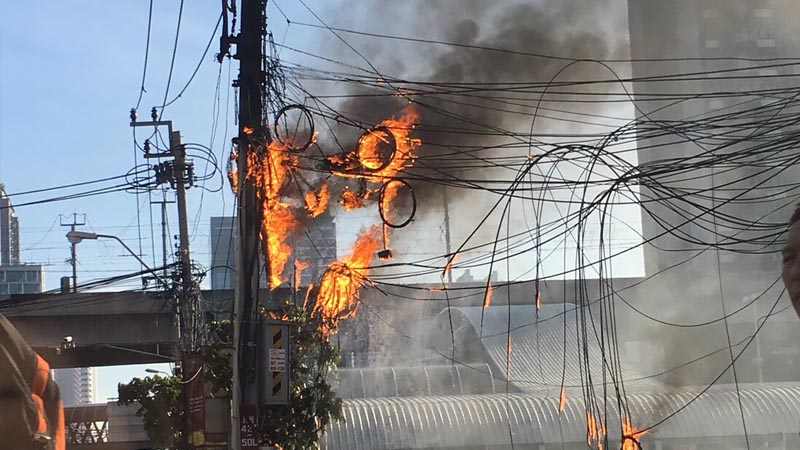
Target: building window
column 14, row 277
column 710, row 14
column 765, row 43
column 712, row 44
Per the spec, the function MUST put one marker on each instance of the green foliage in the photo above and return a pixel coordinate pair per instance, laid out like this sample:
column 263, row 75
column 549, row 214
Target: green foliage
column 312, row 402
column 161, row 407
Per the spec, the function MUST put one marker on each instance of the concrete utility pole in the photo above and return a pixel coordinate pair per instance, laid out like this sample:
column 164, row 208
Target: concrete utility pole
column 74, row 257
column 179, row 174
column 251, row 83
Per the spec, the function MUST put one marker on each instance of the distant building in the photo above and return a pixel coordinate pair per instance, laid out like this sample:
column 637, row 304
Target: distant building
column 21, row 279
column 76, row 385
column 696, row 34
column 700, row 37
column 9, row 231
column 316, row 246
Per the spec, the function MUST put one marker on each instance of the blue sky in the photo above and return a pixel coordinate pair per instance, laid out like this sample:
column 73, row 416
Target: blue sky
column 71, row 71
column 69, row 74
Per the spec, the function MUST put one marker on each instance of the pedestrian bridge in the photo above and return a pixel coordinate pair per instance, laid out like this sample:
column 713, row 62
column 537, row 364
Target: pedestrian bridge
column 102, row 426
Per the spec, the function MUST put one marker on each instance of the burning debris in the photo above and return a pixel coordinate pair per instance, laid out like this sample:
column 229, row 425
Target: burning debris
column 381, row 154
column 337, row 298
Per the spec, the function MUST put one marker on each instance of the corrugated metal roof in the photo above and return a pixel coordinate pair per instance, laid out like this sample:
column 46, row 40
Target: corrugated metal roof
column 542, row 349
column 416, row 381
column 490, row 420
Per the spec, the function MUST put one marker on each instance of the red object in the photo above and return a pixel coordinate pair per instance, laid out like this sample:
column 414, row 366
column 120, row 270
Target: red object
column 248, row 427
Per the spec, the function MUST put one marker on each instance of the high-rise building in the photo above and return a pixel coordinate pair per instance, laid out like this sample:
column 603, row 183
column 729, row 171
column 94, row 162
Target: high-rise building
column 698, row 35
column 76, row 385
column 9, row 231
column 315, row 246
column 726, row 46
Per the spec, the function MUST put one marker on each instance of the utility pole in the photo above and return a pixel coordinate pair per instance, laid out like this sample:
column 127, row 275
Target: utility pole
column 164, row 254
column 446, row 201
column 252, row 132
column 179, row 173
column 74, row 256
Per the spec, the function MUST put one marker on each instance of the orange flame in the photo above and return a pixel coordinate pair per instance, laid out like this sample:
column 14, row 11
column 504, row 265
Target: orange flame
column 487, row 296
column 269, row 172
column 629, row 432
column 449, row 265
column 508, row 359
column 595, row 430
column 317, row 202
column 337, row 298
column 233, row 171
column 308, row 294
column 350, row 200
column 562, row 402
column 299, row 266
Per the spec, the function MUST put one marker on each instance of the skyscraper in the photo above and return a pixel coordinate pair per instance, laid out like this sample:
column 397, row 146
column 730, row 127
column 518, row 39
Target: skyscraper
column 698, row 34
column 724, row 52
column 76, row 385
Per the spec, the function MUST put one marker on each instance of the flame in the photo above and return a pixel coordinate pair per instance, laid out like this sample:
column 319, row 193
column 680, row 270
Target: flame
column 508, row 359
column 403, row 156
column 317, row 202
column 308, row 294
column 337, row 298
column 487, row 296
column 595, row 430
column 449, row 265
column 299, row 266
column 269, row 172
column 630, row 432
column 562, row 402
column 350, row 200
column 369, row 156
column 233, row 171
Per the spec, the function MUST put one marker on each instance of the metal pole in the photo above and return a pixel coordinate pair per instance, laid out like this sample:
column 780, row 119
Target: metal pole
column 251, row 84
column 74, row 261
column 447, row 231
column 73, row 252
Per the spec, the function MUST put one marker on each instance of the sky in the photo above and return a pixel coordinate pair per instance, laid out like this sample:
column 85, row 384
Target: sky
column 69, row 74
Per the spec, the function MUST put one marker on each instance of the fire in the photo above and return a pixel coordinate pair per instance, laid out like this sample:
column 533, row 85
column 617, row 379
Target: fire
column 629, row 432
column 449, row 264
column 595, row 430
column 350, row 200
column 403, row 156
column 317, row 202
column 562, row 402
column 308, row 294
column 233, row 171
column 299, row 266
column 487, row 296
column 508, row 359
column 337, row 298
column 269, row 172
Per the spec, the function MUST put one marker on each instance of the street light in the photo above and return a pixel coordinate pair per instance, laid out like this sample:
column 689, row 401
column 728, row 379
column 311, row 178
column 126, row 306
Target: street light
column 75, row 237
column 155, row 371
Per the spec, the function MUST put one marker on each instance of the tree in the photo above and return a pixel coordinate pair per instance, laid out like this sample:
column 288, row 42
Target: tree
column 297, row 426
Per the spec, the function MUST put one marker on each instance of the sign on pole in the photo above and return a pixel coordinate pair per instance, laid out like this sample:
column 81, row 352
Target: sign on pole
column 274, row 363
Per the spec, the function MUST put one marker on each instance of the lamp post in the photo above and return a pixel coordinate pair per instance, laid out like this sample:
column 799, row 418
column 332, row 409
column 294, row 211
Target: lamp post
column 76, row 237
